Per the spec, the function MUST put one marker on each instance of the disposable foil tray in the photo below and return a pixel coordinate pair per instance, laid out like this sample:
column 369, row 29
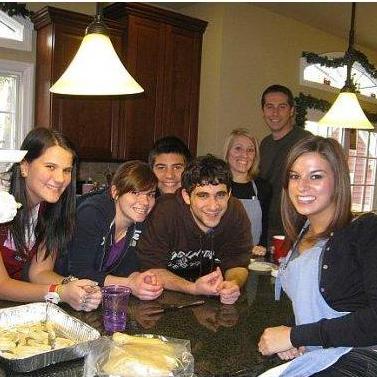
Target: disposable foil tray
column 83, row 334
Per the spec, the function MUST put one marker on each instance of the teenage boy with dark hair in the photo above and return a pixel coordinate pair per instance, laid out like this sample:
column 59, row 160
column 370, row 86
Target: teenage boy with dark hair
column 168, row 159
column 198, row 240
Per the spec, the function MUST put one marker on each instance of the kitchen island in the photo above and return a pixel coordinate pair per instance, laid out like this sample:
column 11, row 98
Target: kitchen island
column 223, row 337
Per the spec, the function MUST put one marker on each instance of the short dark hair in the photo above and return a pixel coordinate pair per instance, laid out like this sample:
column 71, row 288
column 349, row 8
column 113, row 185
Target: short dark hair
column 206, row 170
column 169, row 144
column 276, row 88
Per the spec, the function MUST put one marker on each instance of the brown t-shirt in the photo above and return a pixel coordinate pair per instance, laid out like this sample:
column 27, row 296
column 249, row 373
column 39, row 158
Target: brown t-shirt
column 172, row 240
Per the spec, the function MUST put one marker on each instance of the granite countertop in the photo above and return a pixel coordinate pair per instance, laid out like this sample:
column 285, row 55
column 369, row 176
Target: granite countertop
column 223, row 337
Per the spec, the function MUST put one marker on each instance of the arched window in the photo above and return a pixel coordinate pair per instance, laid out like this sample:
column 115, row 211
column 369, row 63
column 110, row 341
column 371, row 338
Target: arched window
column 333, row 79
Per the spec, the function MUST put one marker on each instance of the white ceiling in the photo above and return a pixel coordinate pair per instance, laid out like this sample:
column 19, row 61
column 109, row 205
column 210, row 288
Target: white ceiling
column 331, row 17
column 334, row 18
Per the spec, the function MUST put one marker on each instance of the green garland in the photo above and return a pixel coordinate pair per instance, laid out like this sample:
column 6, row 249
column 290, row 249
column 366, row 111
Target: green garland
column 313, row 58
column 354, row 55
column 15, row 9
column 306, row 101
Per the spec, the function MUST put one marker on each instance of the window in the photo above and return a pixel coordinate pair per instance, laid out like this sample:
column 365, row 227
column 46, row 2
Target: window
column 8, row 113
column 362, row 162
column 16, row 102
column 16, row 82
column 15, row 32
column 360, row 146
column 333, row 79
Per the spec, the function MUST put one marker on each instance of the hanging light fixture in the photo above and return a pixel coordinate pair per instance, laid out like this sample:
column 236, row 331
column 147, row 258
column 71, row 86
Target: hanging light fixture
column 96, row 68
column 346, row 111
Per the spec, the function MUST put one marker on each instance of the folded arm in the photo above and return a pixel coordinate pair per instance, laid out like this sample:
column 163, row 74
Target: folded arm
column 144, row 285
column 73, row 293
column 229, row 290
column 205, row 285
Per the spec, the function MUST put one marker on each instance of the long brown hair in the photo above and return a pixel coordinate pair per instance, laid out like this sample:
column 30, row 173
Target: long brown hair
column 331, row 151
column 55, row 227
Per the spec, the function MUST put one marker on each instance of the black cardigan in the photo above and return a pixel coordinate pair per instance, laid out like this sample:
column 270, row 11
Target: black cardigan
column 348, row 282
column 87, row 251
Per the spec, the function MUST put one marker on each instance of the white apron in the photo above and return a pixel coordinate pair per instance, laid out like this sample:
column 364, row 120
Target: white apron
column 254, row 212
column 300, row 280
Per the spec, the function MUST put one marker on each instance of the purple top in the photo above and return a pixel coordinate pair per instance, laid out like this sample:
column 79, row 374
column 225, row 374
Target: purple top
column 115, row 252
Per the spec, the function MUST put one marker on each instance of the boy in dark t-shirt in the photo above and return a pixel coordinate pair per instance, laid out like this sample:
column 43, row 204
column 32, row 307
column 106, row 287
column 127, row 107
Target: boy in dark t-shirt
column 198, row 239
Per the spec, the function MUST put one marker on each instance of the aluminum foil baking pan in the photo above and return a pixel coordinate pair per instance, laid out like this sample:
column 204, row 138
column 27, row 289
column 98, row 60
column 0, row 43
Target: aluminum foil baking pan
column 72, row 368
column 71, row 327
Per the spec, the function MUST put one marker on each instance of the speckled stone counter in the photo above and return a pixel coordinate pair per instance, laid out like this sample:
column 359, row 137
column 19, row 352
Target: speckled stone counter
column 223, row 337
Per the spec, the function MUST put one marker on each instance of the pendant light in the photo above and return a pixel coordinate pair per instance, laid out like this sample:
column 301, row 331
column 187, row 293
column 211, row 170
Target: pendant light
column 346, row 111
column 96, row 68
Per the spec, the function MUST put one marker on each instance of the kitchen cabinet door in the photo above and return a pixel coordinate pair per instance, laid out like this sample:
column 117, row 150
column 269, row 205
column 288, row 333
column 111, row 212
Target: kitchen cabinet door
column 143, row 113
column 92, row 123
column 181, row 84
column 164, row 53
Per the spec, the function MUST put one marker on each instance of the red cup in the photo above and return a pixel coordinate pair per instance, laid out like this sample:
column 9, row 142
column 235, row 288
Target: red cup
column 280, row 248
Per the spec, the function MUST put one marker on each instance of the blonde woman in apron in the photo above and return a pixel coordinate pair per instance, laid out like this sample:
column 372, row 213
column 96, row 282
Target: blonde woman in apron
column 330, row 273
column 241, row 151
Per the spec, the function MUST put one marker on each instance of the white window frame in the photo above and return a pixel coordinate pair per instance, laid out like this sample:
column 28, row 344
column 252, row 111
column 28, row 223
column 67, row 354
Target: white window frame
column 24, row 28
column 328, row 88
column 314, row 116
column 25, row 71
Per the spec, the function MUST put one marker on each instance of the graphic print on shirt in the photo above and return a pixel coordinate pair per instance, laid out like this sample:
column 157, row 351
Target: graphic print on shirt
column 192, row 264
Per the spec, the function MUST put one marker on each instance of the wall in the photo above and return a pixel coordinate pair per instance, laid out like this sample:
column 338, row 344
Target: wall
column 83, row 7
column 87, row 169
column 26, row 56
column 245, row 49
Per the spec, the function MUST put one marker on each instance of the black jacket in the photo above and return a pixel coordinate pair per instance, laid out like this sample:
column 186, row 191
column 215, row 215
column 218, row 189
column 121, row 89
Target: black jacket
column 348, row 282
column 88, row 250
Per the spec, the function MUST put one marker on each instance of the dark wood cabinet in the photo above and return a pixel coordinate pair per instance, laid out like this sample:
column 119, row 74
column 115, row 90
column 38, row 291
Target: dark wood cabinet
column 161, row 50
column 92, row 122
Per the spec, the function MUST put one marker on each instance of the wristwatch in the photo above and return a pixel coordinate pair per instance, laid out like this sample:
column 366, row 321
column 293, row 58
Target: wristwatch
column 52, row 294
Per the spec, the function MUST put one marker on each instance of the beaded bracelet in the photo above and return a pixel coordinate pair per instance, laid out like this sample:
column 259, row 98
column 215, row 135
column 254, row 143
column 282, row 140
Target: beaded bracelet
column 68, row 279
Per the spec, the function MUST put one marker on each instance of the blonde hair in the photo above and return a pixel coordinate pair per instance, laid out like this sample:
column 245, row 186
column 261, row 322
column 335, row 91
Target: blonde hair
column 254, row 169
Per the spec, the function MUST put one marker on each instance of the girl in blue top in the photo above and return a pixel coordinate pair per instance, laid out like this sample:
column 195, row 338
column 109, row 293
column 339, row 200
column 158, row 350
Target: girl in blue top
column 330, row 272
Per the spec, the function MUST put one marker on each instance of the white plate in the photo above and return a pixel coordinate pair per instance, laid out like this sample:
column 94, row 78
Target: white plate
column 262, row 266
column 11, row 155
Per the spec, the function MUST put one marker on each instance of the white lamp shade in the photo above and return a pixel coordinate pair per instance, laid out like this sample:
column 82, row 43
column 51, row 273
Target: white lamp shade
column 346, row 112
column 96, row 70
